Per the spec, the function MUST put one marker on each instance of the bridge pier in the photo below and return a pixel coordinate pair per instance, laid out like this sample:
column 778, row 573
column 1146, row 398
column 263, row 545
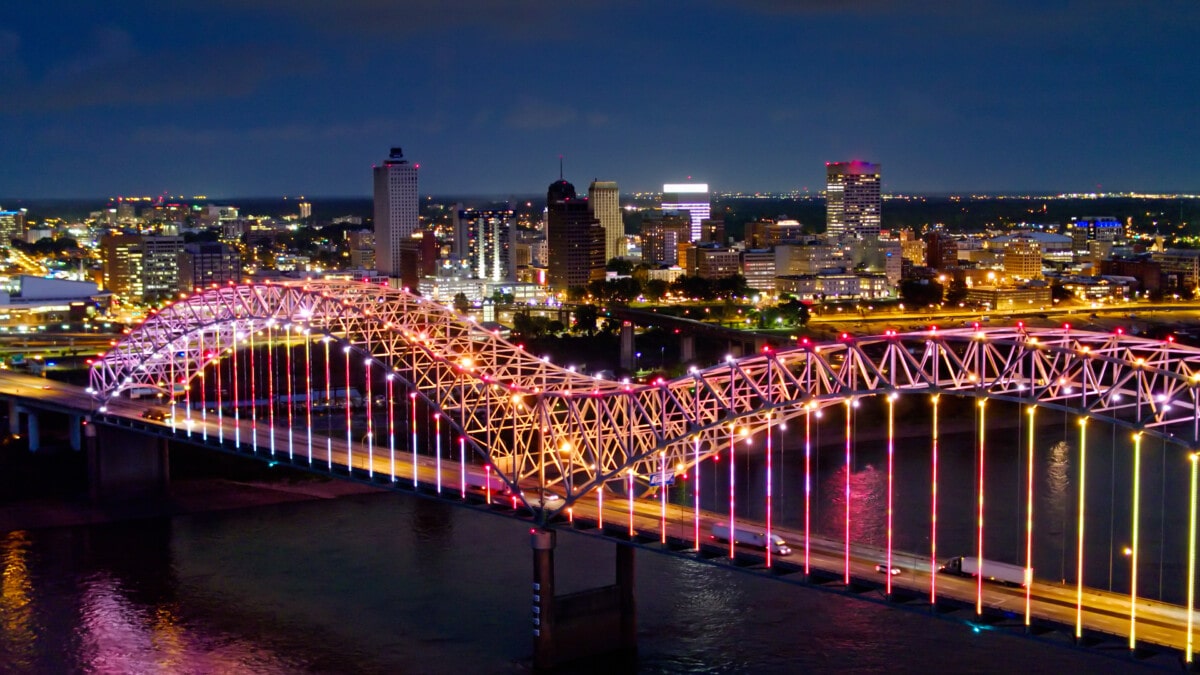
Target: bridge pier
column 123, row 464
column 74, row 431
column 687, row 348
column 14, row 418
column 32, row 429
column 627, row 350
column 585, row 624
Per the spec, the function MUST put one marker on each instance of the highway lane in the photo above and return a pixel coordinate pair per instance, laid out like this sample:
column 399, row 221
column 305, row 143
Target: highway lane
column 1103, row 612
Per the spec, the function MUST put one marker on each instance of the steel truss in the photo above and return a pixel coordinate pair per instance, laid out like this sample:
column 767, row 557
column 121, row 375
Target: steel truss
column 532, row 419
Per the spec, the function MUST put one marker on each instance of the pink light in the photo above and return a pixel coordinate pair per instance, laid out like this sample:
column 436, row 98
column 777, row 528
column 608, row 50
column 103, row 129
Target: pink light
column 732, row 483
column 933, row 561
column 891, row 450
column 849, row 437
column 696, row 492
column 807, row 485
column 979, row 552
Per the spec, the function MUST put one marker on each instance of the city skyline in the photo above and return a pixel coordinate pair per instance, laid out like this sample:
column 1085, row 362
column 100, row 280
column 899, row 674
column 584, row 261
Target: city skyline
column 272, row 98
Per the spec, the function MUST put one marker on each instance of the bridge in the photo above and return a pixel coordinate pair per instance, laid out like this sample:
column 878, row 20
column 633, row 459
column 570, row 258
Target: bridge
column 413, row 396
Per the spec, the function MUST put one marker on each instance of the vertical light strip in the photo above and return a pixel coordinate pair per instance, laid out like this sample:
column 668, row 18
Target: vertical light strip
column 979, row 572
column 807, row 486
column 391, row 417
column 629, row 493
column 349, row 433
column 437, row 432
column 220, row 408
column 1029, row 522
column 290, row 400
column 187, row 393
column 891, row 451
column 253, row 396
column 1079, row 529
column 696, row 491
column 233, row 372
column 370, row 437
column 933, row 511
column 662, row 493
column 308, row 390
column 462, row 465
column 412, row 402
column 600, row 507
column 846, row 566
column 769, row 541
column 1191, row 584
column 328, row 407
column 271, row 384
column 201, row 363
column 1133, row 579
column 732, row 463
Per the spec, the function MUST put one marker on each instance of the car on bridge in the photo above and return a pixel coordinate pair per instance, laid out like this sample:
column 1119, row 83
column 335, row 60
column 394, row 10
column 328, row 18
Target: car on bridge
column 883, row 568
column 534, row 498
column 156, row 414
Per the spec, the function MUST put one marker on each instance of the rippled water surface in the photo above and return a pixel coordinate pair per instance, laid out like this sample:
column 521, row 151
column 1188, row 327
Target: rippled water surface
column 394, row 584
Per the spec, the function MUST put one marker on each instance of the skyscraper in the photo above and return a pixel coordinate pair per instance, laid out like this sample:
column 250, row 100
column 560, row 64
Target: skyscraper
column 484, row 240
column 852, row 201
column 574, row 238
column 396, row 204
column 690, row 197
column 605, row 199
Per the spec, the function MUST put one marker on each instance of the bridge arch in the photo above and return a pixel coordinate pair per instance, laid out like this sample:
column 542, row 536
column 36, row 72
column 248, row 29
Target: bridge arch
column 536, row 421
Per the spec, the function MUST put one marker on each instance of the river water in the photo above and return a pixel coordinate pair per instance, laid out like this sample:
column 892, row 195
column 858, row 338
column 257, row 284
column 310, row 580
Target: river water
column 389, row 583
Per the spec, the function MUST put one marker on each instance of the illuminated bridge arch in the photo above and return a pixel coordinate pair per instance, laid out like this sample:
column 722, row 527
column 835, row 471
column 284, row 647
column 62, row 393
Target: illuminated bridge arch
column 534, row 420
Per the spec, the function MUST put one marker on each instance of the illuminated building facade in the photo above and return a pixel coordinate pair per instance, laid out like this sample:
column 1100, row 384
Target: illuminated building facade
column 574, row 239
column 396, row 210
column 690, row 197
column 662, row 235
column 484, row 240
column 852, row 199
column 604, row 197
column 205, row 263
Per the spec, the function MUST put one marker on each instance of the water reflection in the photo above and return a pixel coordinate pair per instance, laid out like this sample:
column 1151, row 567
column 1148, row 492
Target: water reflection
column 868, row 505
column 16, row 610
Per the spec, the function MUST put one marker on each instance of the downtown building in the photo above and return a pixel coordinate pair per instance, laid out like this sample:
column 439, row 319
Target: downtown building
column 574, row 239
column 690, row 197
column 205, row 263
column 484, row 241
column 396, row 211
column 141, row 268
column 852, row 200
column 604, row 198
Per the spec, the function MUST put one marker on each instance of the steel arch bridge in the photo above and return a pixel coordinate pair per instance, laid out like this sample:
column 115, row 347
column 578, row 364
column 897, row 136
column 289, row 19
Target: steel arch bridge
column 531, row 419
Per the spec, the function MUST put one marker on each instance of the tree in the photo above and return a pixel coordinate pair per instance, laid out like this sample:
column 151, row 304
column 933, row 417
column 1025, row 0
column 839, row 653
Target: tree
column 655, row 289
column 585, row 319
column 461, row 303
column 620, row 266
column 577, row 293
column 920, row 292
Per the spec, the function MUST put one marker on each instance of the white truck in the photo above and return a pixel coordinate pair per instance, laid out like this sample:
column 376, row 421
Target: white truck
column 751, row 537
column 967, row 565
column 480, row 478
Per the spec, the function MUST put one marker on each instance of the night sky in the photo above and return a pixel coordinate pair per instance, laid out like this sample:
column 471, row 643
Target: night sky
column 290, row 97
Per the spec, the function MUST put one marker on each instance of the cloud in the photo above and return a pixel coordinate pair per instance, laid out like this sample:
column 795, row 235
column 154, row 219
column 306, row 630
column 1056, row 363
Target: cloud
column 532, row 114
column 287, row 133
column 12, row 69
column 107, row 47
column 117, row 77
column 513, row 19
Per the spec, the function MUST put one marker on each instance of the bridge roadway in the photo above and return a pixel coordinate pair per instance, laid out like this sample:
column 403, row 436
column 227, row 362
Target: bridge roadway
column 1103, row 612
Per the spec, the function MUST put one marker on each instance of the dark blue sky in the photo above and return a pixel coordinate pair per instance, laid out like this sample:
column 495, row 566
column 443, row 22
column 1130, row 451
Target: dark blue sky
column 274, row 97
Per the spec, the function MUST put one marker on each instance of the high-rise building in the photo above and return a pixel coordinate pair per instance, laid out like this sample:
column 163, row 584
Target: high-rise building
column 160, row 266
column 10, row 227
column 484, row 240
column 574, row 238
column 1023, row 258
column 662, row 235
column 941, row 251
column 122, row 264
column 852, row 199
column 604, row 197
column 205, row 263
column 143, row 269
column 396, row 209
column 690, row 197
column 305, row 210
column 712, row 231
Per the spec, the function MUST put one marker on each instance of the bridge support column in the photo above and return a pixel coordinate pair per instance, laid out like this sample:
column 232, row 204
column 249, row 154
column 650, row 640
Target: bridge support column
column 627, row 351
column 687, row 348
column 123, row 464
column 34, row 432
column 75, row 426
column 14, row 418
column 585, row 624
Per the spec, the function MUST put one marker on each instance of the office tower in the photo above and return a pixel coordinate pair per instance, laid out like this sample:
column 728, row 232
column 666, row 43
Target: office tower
column 143, row 269
column 362, row 249
column 690, row 197
column 574, row 239
column 205, row 263
column 305, row 210
column 396, row 204
column 1023, row 258
column 10, row 227
column 484, row 240
column 941, row 251
column 712, row 231
column 160, row 267
column 852, row 200
column 122, row 264
column 662, row 235
column 605, row 199
column 1085, row 230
